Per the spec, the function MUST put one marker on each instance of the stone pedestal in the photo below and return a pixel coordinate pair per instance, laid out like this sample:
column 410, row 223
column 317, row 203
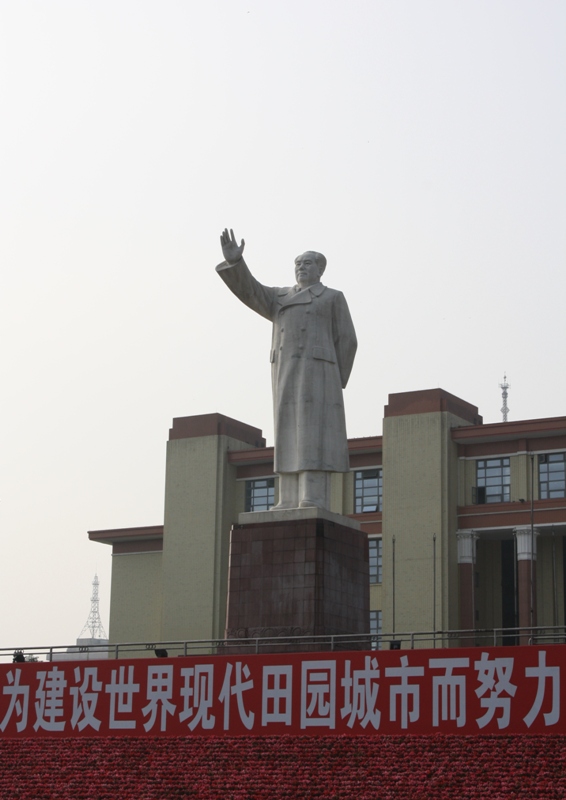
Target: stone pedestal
column 293, row 576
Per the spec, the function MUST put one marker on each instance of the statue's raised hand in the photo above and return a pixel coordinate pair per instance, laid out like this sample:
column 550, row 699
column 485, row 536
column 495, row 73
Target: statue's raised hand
column 230, row 248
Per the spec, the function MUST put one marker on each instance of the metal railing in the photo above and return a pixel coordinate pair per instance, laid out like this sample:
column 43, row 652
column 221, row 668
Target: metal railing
column 301, row 644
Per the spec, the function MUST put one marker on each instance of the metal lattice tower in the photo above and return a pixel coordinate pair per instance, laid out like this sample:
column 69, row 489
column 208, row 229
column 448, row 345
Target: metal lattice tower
column 93, row 625
column 504, row 394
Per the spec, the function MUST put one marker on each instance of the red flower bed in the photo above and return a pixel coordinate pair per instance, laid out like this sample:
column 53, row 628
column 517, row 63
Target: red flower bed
column 353, row 768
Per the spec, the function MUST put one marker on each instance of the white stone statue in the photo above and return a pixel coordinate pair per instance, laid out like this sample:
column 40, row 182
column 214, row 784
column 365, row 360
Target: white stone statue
column 312, row 353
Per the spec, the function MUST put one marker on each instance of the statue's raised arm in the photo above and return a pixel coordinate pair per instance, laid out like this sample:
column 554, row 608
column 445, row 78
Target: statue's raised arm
column 231, row 250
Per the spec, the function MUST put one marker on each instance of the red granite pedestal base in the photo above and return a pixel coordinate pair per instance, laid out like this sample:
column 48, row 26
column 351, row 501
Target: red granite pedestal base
column 298, row 578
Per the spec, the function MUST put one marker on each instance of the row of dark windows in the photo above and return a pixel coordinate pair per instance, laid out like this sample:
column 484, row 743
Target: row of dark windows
column 493, row 484
column 368, row 492
column 493, row 478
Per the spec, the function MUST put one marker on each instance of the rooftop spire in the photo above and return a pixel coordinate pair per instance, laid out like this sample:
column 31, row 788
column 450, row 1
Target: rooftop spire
column 93, row 625
column 504, row 386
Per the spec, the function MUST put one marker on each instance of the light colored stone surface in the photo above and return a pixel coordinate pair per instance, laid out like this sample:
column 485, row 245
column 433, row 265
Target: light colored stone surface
column 312, row 353
column 199, row 510
column 293, row 514
column 420, row 502
column 135, row 610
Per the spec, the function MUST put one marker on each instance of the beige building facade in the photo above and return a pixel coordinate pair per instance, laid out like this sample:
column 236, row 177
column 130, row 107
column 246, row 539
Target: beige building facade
column 465, row 523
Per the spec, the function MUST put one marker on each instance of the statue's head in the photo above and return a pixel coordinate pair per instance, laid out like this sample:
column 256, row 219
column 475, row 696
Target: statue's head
column 309, row 268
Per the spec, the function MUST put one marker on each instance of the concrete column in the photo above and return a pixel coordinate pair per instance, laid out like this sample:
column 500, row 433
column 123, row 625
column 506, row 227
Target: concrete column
column 466, row 561
column 526, row 538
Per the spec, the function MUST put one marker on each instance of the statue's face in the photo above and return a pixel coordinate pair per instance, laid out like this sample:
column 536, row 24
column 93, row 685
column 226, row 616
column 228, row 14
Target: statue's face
column 307, row 271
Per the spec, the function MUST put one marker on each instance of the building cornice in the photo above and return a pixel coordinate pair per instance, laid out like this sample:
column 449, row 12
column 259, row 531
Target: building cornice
column 143, row 537
column 510, row 431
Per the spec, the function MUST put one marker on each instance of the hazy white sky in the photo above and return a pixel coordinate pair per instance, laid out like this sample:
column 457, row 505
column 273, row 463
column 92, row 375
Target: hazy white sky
column 418, row 144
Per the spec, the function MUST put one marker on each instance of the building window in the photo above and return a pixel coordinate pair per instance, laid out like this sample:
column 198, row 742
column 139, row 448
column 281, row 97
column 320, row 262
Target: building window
column 375, row 629
column 368, row 490
column 552, row 475
column 375, row 560
column 493, row 481
column 260, row 494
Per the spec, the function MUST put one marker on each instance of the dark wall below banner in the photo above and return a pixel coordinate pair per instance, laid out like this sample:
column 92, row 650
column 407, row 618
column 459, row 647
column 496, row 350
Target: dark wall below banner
column 437, row 767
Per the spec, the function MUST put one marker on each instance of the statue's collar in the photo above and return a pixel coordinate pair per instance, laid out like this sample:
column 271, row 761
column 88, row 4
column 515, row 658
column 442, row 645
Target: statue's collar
column 294, row 294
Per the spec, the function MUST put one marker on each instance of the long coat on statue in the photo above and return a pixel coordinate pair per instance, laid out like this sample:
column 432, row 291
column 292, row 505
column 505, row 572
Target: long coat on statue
column 312, row 353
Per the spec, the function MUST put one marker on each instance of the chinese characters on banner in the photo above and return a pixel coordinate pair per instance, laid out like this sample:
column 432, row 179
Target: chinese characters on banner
column 481, row 690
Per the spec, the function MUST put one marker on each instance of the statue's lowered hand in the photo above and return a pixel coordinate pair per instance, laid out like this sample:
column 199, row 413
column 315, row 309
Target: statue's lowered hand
column 231, row 250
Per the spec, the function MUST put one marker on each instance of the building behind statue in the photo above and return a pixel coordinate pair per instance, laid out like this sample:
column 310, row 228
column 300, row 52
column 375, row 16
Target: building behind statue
column 465, row 523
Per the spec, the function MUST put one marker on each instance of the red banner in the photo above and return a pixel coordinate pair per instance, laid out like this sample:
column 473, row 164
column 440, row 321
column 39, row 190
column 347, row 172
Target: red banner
column 458, row 691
